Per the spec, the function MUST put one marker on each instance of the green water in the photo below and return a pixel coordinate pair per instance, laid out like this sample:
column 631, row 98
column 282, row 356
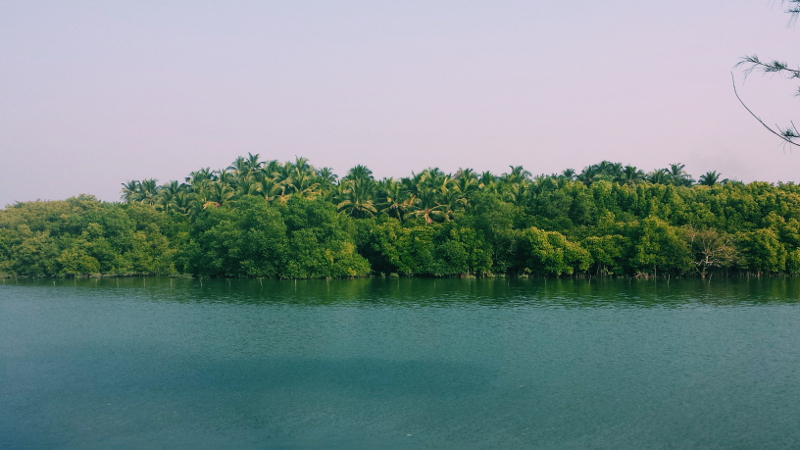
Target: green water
column 400, row 363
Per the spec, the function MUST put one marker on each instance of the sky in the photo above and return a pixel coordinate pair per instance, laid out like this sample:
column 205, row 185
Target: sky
column 97, row 93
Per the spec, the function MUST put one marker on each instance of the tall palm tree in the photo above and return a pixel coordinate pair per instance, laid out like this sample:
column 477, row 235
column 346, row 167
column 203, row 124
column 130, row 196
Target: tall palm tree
column 450, row 202
column 326, row 177
column 245, row 185
column 200, row 196
column 303, row 184
column 199, row 176
column 183, row 202
column 517, row 174
column 466, row 182
column 283, row 194
column 415, row 184
column 225, row 176
column 678, row 175
column 284, row 172
column 710, row 178
column 392, row 198
column 148, row 189
column 356, row 198
column 131, row 191
column 589, row 174
column 487, row 181
column 610, row 171
column 517, row 193
column 465, row 173
column 221, row 193
column 269, row 169
column 426, row 206
column 632, row 175
column 252, row 163
column 167, row 198
column 360, row 173
column 660, row 176
column 269, row 188
column 545, row 183
column 239, row 166
column 302, row 165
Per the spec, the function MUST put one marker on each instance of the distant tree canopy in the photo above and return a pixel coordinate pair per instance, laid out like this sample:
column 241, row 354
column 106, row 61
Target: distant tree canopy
column 293, row 220
column 749, row 63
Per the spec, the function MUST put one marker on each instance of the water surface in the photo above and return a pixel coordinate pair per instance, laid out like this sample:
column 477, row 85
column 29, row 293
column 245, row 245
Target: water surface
column 400, row 363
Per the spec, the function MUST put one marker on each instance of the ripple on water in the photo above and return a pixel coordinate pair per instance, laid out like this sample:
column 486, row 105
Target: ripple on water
column 399, row 363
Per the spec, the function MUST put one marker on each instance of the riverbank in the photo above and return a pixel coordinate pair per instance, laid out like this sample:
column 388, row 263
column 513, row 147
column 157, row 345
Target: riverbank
column 552, row 226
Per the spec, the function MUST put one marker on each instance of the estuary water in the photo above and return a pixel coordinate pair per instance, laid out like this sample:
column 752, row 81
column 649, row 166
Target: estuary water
column 400, row 363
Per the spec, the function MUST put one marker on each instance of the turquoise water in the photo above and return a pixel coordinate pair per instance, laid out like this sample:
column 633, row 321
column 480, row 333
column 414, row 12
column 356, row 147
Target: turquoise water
column 400, row 363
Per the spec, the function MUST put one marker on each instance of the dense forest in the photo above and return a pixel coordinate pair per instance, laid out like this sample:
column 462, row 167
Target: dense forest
column 292, row 220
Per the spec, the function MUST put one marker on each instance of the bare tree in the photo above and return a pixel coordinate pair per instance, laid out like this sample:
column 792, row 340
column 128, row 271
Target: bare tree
column 710, row 248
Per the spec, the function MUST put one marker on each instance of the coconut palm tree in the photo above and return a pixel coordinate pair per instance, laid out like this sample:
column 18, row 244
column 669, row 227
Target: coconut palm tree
column 426, row 206
column 359, row 173
column 131, row 191
column 517, row 193
column 632, row 175
column 183, row 202
column 303, row 184
column 569, row 174
column 678, row 175
column 451, row 202
column 302, row 165
column 660, row 176
column 610, row 171
column 517, row 175
column 710, row 178
column 392, row 198
column 239, row 166
column 199, row 176
column 225, row 176
column 268, row 187
column 326, row 178
column 416, row 183
column 148, row 189
column 252, row 164
column 355, row 198
column 487, row 182
column 545, row 183
column 269, row 169
column 167, row 198
column 466, row 182
column 589, row 174
column 220, row 193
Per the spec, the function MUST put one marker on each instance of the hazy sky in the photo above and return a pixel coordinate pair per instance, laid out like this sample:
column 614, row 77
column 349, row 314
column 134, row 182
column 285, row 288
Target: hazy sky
column 96, row 93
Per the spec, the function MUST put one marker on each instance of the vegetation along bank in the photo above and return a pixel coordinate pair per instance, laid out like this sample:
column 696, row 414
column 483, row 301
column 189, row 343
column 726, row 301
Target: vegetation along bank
column 292, row 220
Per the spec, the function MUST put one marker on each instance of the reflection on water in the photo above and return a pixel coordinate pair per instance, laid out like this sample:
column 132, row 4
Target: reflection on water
column 405, row 363
column 414, row 292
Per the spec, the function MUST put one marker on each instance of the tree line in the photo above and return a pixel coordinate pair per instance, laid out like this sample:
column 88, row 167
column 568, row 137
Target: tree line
column 291, row 220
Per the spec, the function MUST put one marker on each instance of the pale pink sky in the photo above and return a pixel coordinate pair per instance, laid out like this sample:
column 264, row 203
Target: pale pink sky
column 96, row 93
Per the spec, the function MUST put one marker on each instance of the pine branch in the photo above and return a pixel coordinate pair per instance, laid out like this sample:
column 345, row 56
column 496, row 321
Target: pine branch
column 775, row 66
column 788, row 134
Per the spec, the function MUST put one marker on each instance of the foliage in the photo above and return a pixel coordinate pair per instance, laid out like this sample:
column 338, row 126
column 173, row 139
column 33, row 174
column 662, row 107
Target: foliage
column 761, row 251
column 292, row 220
column 81, row 236
column 657, row 247
column 550, row 253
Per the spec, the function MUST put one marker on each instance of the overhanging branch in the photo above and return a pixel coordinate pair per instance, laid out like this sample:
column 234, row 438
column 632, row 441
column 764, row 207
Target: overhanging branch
column 787, row 135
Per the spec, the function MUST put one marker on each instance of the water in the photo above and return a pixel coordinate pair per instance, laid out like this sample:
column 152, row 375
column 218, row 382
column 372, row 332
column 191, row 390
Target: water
column 400, row 363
